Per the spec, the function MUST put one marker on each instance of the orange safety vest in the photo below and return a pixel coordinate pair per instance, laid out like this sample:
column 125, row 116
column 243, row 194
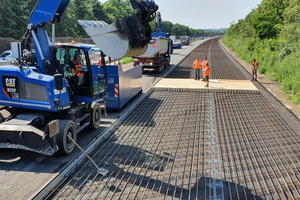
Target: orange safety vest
column 255, row 64
column 100, row 61
column 207, row 71
column 197, row 64
column 77, row 68
column 204, row 63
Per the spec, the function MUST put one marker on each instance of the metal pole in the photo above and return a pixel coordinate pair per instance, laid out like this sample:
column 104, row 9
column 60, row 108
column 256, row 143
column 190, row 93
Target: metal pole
column 37, row 44
column 53, row 33
column 101, row 171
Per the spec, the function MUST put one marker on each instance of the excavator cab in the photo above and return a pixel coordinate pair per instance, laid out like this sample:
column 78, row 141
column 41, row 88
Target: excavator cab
column 87, row 83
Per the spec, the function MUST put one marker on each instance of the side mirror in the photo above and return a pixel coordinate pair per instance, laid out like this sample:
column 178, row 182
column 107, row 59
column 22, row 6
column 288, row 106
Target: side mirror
column 152, row 41
column 58, row 79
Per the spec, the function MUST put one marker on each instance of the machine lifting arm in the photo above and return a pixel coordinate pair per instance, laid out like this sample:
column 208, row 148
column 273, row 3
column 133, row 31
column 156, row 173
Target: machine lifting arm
column 134, row 30
column 44, row 12
column 158, row 23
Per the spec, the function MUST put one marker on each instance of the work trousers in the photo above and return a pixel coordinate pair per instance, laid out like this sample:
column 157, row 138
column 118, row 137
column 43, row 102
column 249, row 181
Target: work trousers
column 197, row 74
column 254, row 73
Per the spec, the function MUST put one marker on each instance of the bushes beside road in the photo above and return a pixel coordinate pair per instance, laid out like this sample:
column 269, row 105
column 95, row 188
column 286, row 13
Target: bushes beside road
column 271, row 35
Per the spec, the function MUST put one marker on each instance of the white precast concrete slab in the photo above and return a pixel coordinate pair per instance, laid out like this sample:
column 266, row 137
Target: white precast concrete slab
column 213, row 84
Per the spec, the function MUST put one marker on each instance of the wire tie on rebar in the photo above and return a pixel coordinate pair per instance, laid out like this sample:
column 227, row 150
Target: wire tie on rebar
column 100, row 170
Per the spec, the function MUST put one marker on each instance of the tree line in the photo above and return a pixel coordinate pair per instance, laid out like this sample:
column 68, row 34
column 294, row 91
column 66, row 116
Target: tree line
column 271, row 34
column 14, row 17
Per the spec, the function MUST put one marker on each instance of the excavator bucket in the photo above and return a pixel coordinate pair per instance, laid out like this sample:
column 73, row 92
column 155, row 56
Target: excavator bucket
column 114, row 39
column 126, row 37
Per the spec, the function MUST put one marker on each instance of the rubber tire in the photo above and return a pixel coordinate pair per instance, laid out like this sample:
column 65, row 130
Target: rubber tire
column 95, row 117
column 65, row 145
column 167, row 63
column 157, row 69
column 162, row 66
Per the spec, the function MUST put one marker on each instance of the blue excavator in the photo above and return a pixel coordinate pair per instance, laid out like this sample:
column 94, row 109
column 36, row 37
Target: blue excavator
column 43, row 100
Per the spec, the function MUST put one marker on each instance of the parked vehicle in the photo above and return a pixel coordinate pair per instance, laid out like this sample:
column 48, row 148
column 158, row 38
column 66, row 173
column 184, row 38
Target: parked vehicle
column 6, row 56
column 185, row 40
column 176, row 43
column 158, row 53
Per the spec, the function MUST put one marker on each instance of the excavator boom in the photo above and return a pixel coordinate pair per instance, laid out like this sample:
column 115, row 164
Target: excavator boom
column 129, row 36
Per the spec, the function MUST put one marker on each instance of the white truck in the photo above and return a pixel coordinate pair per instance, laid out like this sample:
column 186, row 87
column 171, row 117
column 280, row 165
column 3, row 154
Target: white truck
column 157, row 55
column 185, row 40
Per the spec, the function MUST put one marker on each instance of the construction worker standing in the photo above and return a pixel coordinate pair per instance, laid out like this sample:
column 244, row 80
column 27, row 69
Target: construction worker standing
column 207, row 73
column 203, row 66
column 254, row 70
column 197, row 66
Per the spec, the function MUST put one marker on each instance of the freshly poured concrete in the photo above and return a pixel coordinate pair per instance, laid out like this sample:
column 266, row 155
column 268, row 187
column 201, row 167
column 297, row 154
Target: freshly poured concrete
column 213, row 84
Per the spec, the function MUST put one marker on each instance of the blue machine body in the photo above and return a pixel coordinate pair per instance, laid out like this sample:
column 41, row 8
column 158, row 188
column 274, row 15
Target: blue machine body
column 123, row 85
column 159, row 28
column 45, row 12
column 160, row 34
column 25, row 87
column 176, row 45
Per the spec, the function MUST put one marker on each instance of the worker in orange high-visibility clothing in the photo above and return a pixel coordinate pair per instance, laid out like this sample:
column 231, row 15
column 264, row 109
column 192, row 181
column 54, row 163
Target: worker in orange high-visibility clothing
column 75, row 65
column 254, row 70
column 207, row 73
column 203, row 66
column 100, row 61
column 197, row 66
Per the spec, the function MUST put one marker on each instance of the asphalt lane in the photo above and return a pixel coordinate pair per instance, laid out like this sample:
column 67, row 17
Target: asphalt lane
column 23, row 173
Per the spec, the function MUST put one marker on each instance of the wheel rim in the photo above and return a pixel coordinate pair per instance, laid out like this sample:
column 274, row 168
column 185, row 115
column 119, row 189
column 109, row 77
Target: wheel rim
column 97, row 121
column 96, row 117
column 70, row 133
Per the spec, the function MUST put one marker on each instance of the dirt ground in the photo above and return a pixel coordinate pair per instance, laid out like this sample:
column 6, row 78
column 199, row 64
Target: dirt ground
column 272, row 86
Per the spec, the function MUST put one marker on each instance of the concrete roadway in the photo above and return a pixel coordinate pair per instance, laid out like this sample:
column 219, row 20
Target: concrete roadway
column 23, row 174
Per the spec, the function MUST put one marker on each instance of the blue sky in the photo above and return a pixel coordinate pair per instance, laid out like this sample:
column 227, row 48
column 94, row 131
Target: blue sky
column 205, row 14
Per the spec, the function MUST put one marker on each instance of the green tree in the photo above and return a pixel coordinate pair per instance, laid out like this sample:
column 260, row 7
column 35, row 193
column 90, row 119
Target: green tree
column 68, row 26
column 20, row 18
column 83, row 11
column 7, row 15
column 31, row 4
column 167, row 26
column 99, row 13
column 115, row 9
column 269, row 18
column 291, row 29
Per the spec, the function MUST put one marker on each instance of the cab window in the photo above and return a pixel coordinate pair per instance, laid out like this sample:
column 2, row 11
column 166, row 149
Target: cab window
column 65, row 55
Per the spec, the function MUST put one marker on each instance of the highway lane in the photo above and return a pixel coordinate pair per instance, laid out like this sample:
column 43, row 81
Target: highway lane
column 184, row 141
column 24, row 173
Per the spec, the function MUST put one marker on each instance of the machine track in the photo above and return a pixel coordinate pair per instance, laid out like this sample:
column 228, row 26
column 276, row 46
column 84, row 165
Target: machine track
column 195, row 144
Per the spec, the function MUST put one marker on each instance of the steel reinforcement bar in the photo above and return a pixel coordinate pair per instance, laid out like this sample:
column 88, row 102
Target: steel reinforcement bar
column 193, row 144
column 221, row 66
